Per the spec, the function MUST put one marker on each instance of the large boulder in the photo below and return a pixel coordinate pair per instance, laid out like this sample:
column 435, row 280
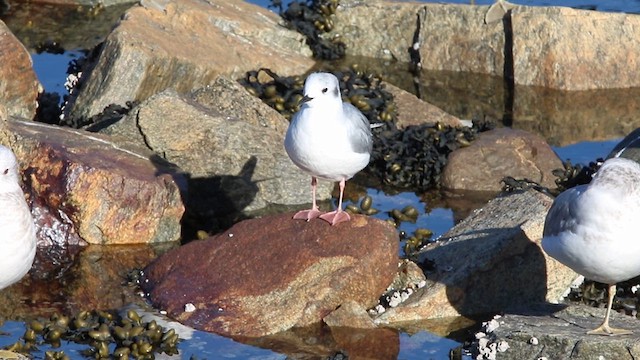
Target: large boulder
column 85, row 188
column 267, row 275
column 185, row 45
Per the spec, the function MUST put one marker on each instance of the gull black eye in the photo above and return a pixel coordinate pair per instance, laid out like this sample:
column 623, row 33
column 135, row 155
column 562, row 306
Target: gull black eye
column 5, row 172
column 324, row 91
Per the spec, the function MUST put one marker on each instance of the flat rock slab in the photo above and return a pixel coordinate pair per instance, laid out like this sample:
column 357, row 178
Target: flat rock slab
column 267, row 275
column 560, row 333
column 490, row 262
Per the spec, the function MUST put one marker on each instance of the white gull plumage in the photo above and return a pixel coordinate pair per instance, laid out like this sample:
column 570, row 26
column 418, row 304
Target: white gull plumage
column 595, row 229
column 328, row 139
column 17, row 230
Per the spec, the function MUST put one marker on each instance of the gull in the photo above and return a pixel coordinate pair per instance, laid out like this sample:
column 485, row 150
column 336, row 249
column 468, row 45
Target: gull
column 593, row 229
column 328, row 139
column 17, row 229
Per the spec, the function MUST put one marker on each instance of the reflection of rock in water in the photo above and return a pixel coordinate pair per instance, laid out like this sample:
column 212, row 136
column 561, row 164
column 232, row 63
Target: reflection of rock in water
column 75, row 27
column 77, row 278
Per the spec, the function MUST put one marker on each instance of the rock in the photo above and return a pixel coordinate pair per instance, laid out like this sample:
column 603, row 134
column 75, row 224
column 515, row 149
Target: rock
column 559, row 332
column 489, row 262
column 559, row 47
column 86, row 188
column 413, row 111
column 496, row 154
column 185, row 45
column 554, row 47
column 270, row 274
column 446, row 37
column 568, row 117
column 229, row 142
column 19, row 87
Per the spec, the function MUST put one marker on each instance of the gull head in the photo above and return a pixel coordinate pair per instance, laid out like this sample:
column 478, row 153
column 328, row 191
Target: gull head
column 8, row 168
column 321, row 89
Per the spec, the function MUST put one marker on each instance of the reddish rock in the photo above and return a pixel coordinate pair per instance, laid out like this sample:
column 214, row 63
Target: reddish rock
column 268, row 275
column 85, row 188
column 499, row 153
column 19, row 87
column 185, row 45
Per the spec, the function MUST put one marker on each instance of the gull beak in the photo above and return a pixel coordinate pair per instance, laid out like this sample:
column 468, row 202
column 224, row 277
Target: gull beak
column 305, row 99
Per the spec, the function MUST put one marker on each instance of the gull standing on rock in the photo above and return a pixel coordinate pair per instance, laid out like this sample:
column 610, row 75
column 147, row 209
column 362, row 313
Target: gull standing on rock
column 328, row 139
column 17, row 229
column 595, row 229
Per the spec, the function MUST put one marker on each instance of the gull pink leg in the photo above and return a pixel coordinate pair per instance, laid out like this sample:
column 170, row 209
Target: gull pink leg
column 313, row 212
column 337, row 216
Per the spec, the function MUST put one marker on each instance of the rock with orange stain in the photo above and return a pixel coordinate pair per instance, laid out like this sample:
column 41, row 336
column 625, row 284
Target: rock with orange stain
column 267, row 275
column 84, row 188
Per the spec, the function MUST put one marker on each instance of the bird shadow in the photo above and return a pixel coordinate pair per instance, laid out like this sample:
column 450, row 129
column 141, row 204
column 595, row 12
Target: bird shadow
column 213, row 203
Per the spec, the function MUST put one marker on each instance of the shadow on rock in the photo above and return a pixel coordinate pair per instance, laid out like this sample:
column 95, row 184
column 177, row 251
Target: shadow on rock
column 213, row 203
column 516, row 275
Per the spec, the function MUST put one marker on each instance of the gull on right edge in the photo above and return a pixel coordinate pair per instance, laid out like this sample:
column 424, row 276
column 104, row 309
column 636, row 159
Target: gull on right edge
column 595, row 229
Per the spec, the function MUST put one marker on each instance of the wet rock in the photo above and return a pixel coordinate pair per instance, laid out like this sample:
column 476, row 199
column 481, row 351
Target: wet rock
column 230, row 144
column 488, row 263
column 498, row 153
column 559, row 332
column 268, row 275
column 83, row 187
column 19, row 87
column 413, row 111
column 185, row 45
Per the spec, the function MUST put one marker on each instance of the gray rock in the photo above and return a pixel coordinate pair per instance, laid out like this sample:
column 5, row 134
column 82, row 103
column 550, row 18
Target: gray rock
column 185, row 45
column 229, row 142
column 559, row 332
column 489, row 262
